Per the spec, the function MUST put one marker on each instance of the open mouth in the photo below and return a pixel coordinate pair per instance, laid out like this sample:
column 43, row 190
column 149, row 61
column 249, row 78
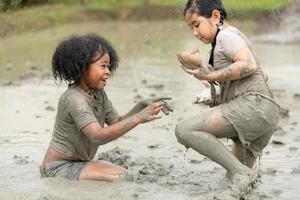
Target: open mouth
column 105, row 80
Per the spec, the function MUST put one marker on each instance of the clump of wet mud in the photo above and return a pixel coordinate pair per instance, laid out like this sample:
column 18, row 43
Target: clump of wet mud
column 164, row 172
column 144, row 170
column 35, row 73
column 297, row 96
column 31, row 74
column 21, row 160
column 284, row 113
column 116, row 156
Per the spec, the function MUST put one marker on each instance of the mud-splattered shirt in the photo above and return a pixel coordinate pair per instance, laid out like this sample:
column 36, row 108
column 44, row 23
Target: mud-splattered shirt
column 76, row 109
column 245, row 103
column 229, row 42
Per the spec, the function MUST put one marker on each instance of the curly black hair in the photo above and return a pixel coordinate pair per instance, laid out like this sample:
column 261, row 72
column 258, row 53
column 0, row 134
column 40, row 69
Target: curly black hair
column 74, row 55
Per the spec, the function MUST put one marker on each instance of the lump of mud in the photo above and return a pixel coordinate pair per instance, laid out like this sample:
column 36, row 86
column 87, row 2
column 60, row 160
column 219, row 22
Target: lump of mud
column 50, row 108
column 294, row 123
column 150, row 170
column 154, row 146
column 48, row 197
column 7, row 83
column 279, row 131
column 156, row 87
column 293, row 149
column 278, row 142
column 284, row 113
column 116, row 156
column 20, row 160
column 296, row 170
column 297, row 96
column 151, row 173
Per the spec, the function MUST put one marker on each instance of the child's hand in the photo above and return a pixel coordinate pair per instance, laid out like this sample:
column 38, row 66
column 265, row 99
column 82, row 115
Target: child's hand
column 198, row 73
column 150, row 112
column 191, row 60
column 166, row 109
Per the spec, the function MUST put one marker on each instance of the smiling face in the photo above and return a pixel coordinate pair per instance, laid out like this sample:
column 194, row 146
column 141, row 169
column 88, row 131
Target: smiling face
column 204, row 29
column 96, row 77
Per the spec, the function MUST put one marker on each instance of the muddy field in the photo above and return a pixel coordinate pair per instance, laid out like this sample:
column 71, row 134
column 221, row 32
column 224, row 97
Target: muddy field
column 159, row 167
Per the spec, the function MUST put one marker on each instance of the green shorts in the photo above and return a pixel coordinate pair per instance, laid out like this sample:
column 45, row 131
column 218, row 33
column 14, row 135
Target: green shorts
column 65, row 169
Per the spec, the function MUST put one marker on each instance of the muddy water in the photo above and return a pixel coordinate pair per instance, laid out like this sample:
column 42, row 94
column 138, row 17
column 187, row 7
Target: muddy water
column 160, row 167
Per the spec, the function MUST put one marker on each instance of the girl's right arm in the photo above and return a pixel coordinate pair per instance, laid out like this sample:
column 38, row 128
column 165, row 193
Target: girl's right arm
column 143, row 104
column 103, row 135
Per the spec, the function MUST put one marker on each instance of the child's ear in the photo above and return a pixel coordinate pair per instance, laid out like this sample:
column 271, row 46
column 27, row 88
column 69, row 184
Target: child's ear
column 216, row 16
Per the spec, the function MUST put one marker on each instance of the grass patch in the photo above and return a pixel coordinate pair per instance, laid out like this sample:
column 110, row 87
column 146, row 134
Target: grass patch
column 241, row 5
column 36, row 18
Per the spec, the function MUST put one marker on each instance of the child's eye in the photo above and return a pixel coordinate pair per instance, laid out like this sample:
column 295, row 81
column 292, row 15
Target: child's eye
column 104, row 67
column 196, row 25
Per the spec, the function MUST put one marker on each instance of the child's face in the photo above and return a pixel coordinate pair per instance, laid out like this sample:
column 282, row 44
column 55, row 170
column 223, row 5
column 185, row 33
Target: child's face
column 98, row 73
column 204, row 29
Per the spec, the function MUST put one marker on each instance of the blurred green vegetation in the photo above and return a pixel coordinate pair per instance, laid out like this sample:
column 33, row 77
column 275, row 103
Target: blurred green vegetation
column 241, row 5
column 17, row 16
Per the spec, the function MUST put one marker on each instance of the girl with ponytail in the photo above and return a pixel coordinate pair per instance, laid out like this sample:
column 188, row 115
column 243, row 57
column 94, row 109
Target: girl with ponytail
column 246, row 112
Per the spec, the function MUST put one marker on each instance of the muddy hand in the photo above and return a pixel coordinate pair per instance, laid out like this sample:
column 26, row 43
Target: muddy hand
column 150, row 112
column 191, row 60
column 166, row 109
column 198, row 73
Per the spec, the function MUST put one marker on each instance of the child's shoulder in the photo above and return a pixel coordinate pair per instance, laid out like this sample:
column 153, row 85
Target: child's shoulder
column 73, row 94
column 229, row 32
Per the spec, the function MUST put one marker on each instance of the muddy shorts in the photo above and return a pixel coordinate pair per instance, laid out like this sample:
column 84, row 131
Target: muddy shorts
column 255, row 119
column 65, row 169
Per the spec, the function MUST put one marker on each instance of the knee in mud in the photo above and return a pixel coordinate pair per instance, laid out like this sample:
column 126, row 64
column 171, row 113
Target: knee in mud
column 180, row 132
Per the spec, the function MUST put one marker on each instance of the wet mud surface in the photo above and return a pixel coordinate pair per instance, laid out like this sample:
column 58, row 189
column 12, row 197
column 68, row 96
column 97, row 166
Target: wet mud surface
column 159, row 167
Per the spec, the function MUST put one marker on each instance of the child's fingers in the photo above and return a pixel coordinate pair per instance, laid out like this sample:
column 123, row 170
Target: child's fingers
column 155, row 111
column 165, row 98
column 168, row 107
column 161, row 99
column 165, row 111
column 157, row 104
column 156, row 117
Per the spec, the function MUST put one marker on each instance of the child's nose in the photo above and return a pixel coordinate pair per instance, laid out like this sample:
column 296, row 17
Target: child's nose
column 107, row 71
column 195, row 33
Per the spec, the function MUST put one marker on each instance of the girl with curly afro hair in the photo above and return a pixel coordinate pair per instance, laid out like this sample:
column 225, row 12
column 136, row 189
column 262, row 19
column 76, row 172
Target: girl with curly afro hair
column 85, row 116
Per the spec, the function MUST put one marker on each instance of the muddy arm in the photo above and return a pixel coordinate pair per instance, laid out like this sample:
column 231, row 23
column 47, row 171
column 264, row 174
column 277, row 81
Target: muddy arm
column 244, row 65
column 143, row 104
column 103, row 135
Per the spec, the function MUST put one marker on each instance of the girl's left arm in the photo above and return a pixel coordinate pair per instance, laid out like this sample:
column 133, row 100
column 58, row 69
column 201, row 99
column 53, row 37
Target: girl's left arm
column 244, row 65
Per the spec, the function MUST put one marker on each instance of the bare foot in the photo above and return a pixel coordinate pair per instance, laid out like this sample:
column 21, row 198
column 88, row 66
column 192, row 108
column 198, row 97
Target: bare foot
column 241, row 184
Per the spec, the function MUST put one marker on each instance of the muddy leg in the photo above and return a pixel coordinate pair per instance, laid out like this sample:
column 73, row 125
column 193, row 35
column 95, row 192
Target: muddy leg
column 102, row 171
column 200, row 133
column 243, row 155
